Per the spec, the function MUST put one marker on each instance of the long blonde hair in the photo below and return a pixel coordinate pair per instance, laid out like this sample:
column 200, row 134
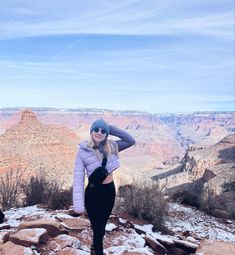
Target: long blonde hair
column 110, row 147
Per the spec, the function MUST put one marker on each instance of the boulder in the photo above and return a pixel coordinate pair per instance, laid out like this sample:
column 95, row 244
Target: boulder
column 155, row 245
column 78, row 224
column 11, row 248
column 28, row 237
column 52, row 226
column 62, row 241
column 214, row 247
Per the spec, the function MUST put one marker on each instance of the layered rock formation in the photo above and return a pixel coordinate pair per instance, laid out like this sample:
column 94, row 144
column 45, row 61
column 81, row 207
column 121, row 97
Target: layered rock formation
column 197, row 161
column 209, row 173
column 31, row 147
column 155, row 141
column 162, row 139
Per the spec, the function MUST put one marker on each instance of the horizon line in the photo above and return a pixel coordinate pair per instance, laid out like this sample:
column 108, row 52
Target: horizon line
column 115, row 110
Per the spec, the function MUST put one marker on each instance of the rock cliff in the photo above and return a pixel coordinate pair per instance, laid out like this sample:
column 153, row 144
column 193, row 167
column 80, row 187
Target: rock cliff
column 31, row 146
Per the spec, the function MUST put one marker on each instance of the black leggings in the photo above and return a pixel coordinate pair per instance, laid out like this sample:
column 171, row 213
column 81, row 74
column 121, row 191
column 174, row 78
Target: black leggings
column 99, row 202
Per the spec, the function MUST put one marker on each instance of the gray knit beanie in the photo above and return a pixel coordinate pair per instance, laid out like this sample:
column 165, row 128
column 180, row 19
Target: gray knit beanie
column 100, row 124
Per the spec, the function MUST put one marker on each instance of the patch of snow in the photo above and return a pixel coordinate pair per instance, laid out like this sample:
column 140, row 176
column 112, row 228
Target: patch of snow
column 36, row 252
column 14, row 215
column 122, row 220
column 130, row 239
column 28, row 251
column 191, row 239
column 110, row 227
column 164, row 238
column 119, row 250
column 144, row 250
column 182, row 218
column 180, row 208
column 85, row 248
column 63, row 216
column 147, row 228
column 186, row 243
column 74, row 242
column 80, row 252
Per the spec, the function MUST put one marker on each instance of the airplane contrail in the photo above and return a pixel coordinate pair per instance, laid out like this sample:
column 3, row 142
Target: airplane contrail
column 67, row 48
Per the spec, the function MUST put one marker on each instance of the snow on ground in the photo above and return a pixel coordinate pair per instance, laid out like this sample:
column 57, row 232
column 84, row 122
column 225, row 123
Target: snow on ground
column 118, row 250
column 14, row 216
column 63, row 216
column 122, row 220
column 110, row 227
column 145, row 228
column 132, row 241
column 182, row 218
column 164, row 238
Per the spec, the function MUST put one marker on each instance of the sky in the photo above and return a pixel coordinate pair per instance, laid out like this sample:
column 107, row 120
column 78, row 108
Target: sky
column 159, row 56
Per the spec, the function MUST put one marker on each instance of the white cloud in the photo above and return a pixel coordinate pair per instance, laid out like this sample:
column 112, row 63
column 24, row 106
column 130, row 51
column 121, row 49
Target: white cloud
column 132, row 17
column 192, row 68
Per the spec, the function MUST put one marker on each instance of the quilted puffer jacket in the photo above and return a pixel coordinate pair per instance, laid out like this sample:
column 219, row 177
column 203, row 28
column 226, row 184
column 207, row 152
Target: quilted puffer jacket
column 88, row 160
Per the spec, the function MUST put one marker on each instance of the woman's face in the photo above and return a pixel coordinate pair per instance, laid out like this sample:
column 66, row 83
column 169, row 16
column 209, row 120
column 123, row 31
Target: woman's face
column 98, row 135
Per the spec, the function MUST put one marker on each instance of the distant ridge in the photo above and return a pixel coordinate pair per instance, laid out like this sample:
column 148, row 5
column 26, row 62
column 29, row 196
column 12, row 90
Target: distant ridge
column 99, row 110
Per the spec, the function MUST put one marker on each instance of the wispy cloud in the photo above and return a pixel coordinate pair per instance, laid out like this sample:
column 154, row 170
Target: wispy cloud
column 133, row 17
column 136, row 54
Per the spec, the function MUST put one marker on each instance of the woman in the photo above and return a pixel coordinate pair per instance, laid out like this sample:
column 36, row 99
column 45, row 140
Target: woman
column 99, row 199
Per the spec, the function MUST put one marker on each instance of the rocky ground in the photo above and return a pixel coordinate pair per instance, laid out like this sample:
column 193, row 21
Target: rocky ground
column 36, row 230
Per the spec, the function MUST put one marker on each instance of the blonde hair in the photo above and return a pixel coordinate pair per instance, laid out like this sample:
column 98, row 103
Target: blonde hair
column 110, row 147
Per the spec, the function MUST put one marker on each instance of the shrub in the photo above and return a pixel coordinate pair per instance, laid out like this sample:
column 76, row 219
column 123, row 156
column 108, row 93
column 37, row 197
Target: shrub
column 229, row 186
column 187, row 197
column 221, row 206
column 10, row 189
column 144, row 200
column 60, row 200
column 39, row 189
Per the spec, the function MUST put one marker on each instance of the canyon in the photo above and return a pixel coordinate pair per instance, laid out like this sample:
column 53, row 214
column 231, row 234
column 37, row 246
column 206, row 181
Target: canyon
column 46, row 140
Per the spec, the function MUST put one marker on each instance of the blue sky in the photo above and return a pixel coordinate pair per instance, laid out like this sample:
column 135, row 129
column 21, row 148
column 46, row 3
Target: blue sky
column 155, row 56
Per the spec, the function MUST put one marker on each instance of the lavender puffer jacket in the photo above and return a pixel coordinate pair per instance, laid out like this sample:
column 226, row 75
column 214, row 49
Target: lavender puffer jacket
column 87, row 159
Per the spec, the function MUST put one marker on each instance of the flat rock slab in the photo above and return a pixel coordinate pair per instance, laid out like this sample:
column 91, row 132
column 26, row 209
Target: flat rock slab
column 11, row 248
column 214, row 247
column 79, row 223
column 28, row 237
column 52, row 226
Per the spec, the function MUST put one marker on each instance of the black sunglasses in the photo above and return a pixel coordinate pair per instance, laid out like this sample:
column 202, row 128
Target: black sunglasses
column 96, row 130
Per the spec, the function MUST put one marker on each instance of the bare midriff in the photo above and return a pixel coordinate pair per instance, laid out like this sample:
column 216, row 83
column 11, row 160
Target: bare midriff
column 108, row 179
